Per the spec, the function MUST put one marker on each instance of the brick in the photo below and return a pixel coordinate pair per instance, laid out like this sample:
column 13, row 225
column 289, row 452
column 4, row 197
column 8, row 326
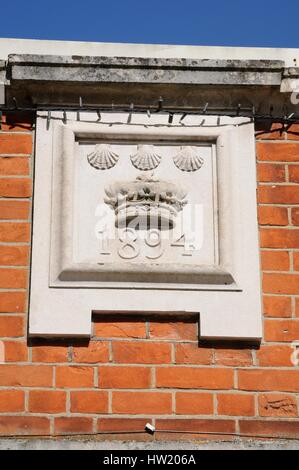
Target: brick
column 11, row 144
column 94, row 352
column 17, row 121
column 277, row 404
column 191, row 377
column 196, row 425
column 124, row 377
column 141, row 352
column 279, row 238
column 10, row 210
column 174, row 330
column 281, row 330
column 25, row 375
column 294, row 173
column 274, row 132
column 194, row 403
column 267, row 172
column 235, row 404
column 193, row 354
column 269, row 380
column 275, row 260
column 73, row 425
column 15, row 351
column 14, row 255
column 13, row 278
column 275, row 152
column 45, row 401
column 24, row 426
column 269, row 215
column 277, row 306
column 297, row 307
column 141, row 403
column 122, row 424
column 281, row 283
column 274, row 356
column 11, row 302
column 296, row 260
column 268, row 428
column 295, row 216
column 13, row 166
column 74, row 377
column 15, row 187
column 233, row 357
column 49, row 353
column 14, row 232
column 89, row 402
column 11, row 326
column 12, row 401
column 120, row 329
column 292, row 132
column 274, row 194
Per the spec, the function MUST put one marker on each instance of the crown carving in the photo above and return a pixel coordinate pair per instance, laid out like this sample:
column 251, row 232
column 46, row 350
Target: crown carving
column 146, row 202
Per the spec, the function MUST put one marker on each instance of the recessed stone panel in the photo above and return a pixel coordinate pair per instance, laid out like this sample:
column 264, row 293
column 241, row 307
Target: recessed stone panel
column 138, row 203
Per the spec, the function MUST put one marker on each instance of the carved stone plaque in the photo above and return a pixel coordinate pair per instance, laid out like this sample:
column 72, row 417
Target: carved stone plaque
column 135, row 214
column 146, row 204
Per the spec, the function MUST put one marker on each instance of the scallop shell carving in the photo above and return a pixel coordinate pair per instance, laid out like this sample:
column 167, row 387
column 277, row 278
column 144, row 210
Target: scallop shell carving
column 102, row 158
column 145, row 158
column 187, row 159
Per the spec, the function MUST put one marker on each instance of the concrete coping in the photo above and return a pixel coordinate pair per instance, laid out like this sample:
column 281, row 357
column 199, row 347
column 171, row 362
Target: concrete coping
column 182, row 81
column 210, row 64
column 94, row 69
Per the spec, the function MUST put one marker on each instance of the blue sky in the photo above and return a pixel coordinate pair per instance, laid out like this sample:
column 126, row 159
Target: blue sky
column 216, row 22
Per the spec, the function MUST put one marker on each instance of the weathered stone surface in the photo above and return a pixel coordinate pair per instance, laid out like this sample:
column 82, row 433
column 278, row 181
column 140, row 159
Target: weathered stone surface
column 182, row 82
column 92, row 444
column 144, row 70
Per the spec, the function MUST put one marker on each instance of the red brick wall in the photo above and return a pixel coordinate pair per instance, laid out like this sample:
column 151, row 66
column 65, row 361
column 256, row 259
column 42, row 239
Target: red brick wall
column 138, row 370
